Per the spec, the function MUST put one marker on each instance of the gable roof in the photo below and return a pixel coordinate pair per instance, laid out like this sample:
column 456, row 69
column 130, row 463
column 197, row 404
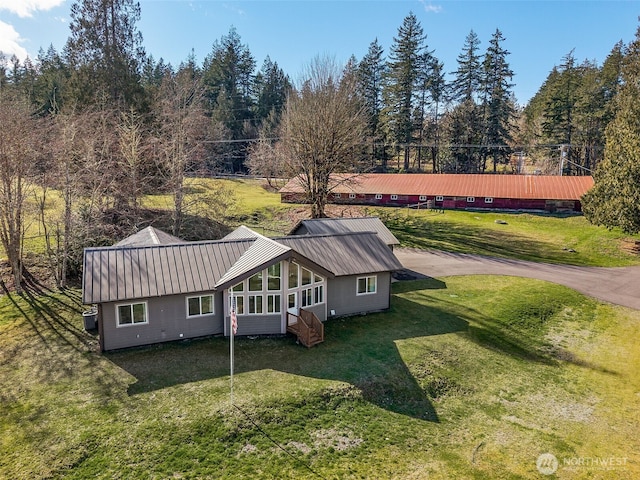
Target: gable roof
column 120, row 273
column 149, row 236
column 323, row 226
column 352, row 253
column 457, row 185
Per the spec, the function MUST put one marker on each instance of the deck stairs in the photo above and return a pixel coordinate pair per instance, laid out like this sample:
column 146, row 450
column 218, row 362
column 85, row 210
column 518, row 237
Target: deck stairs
column 306, row 327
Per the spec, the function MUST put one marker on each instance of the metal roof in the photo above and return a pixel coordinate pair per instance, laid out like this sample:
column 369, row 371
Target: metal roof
column 120, row 273
column 321, row 226
column 148, row 236
column 458, row 185
column 262, row 252
column 352, row 253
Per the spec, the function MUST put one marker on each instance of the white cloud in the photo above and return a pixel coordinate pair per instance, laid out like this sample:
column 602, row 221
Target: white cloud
column 428, row 7
column 10, row 41
column 25, row 8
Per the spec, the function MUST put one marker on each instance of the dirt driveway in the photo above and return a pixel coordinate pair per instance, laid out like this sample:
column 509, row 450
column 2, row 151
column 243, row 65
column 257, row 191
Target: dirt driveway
column 620, row 286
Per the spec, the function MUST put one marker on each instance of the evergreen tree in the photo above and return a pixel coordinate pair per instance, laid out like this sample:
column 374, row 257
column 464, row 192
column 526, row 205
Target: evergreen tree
column 466, row 119
column 272, row 88
column 371, row 72
column 105, row 51
column 614, row 201
column 438, row 90
column 499, row 109
column 406, row 60
column 468, row 77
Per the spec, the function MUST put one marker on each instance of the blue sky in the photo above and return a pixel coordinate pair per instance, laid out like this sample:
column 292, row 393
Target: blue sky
column 538, row 33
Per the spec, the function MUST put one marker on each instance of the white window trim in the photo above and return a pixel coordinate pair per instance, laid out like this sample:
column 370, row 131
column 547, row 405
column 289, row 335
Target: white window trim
column 471, row 199
column 124, row 325
column 337, row 195
column 488, row 200
column 439, row 198
column 213, row 307
column 394, row 197
column 352, row 196
column 367, row 279
column 422, row 198
column 378, row 196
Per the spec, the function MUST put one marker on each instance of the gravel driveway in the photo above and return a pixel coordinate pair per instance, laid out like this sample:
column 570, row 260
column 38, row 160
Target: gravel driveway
column 620, row 286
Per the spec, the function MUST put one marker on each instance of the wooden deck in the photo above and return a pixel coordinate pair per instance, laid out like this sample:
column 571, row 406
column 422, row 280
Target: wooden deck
column 306, row 327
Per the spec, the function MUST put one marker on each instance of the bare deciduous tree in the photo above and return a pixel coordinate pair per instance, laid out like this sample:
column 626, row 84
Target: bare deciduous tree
column 17, row 159
column 322, row 127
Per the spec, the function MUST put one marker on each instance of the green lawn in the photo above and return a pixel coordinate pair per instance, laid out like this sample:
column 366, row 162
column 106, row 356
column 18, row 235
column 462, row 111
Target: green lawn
column 537, row 237
column 465, row 377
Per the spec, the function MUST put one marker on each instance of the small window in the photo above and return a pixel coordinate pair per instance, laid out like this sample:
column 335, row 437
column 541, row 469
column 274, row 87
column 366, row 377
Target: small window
column 273, row 303
column 306, row 276
column 239, row 287
column 239, row 305
column 255, row 304
column 367, row 285
column 273, row 277
column 378, row 196
column 422, row 198
column 471, row 199
column 293, row 275
column 318, row 294
column 132, row 314
column 291, row 300
column 439, row 198
column 307, row 298
column 198, row 306
column 336, row 195
column 317, row 278
column 488, row 200
column 352, row 196
column 394, row 197
column 255, row 282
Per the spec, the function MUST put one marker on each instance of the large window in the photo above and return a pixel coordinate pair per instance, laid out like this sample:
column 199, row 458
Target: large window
column 132, row 314
column 198, row 306
column 367, row 285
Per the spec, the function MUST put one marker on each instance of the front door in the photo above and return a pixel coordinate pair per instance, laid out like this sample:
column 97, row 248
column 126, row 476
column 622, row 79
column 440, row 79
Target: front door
column 292, row 303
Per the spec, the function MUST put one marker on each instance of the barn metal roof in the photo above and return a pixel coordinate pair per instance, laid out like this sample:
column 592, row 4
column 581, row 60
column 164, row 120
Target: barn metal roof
column 321, row 226
column 458, row 185
column 120, row 273
column 351, row 253
column 148, row 236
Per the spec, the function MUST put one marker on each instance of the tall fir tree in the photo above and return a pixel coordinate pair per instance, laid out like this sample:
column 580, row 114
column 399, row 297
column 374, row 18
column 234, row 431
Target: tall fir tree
column 371, row 73
column 406, row 59
column 498, row 102
column 105, row 51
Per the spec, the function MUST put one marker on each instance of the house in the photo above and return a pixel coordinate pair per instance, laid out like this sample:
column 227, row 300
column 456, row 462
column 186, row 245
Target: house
column 165, row 290
column 328, row 226
column 478, row 191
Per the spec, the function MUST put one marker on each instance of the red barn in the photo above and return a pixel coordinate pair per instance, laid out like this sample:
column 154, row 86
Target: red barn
column 500, row 192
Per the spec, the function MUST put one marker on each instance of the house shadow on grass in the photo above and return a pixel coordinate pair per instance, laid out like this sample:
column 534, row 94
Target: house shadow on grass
column 361, row 351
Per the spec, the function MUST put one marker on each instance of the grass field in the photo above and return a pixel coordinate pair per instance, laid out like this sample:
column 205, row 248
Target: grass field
column 537, row 237
column 465, row 377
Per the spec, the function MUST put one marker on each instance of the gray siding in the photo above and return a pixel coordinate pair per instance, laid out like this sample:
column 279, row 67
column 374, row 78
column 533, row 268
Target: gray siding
column 341, row 295
column 320, row 310
column 258, row 324
column 167, row 321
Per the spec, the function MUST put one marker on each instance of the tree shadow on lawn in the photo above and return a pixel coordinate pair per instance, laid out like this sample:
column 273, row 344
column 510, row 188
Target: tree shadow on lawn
column 361, row 351
column 464, row 238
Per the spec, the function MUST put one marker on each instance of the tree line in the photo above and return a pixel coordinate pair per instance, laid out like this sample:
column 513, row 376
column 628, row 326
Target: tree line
column 101, row 124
